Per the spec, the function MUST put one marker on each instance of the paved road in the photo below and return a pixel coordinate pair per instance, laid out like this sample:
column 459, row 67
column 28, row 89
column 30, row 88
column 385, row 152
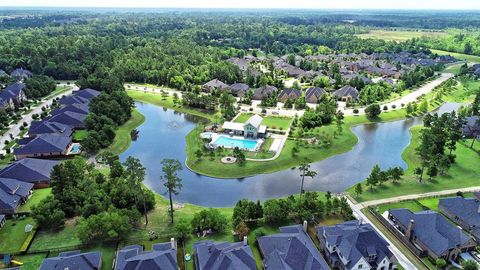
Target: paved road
column 402, row 259
column 418, row 196
column 15, row 128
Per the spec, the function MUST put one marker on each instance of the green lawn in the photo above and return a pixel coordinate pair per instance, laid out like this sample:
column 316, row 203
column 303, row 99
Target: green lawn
column 465, row 91
column 37, row 196
column 272, row 122
column 45, row 240
column 400, row 35
column 12, row 235
column 58, row 90
column 460, row 56
column 80, row 135
column 31, row 262
column 123, row 137
column 463, row 173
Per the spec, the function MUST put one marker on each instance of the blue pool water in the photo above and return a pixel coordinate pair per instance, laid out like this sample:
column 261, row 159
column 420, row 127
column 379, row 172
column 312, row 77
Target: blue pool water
column 228, row 142
column 75, row 149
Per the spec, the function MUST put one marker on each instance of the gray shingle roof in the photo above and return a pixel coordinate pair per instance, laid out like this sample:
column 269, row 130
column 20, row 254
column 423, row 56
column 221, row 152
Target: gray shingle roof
column 43, row 143
column 467, row 209
column 72, row 99
column 162, row 257
column 346, row 91
column 291, row 249
column 314, row 92
column 215, row 83
column 355, row 241
column 21, row 73
column 73, row 260
column 237, row 87
column 11, row 92
column 263, row 92
column 432, row 229
column 472, row 126
column 68, row 118
column 48, row 127
column 289, row 92
column 76, row 108
column 223, row 256
column 29, row 170
column 12, row 193
column 87, row 93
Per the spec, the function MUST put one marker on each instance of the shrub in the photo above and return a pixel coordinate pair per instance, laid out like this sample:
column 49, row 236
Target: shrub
column 394, row 106
column 355, row 110
column 440, row 263
column 251, row 109
column 385, row 107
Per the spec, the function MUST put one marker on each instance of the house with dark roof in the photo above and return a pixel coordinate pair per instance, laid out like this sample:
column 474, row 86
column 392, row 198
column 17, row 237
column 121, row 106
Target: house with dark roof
column 76, row 108
column 291, row 249
column 263, row 92
column 431, row 233
column 314, row 94
column 162, row 257
column 69, row 118
column 209, row 255
column 48, row 127
column 72, row 99
column 214, row 84
column 73, row 260
column 30, row 170
column 15, row 92
column 346, row 93
column 43, row 145
column 2, row 220
column 292, row 94
column 471, row 128
column 239, row 89
column 352, row 245
column 13, row 193
column 20, row 74
column 463, row 211
column 86, row 93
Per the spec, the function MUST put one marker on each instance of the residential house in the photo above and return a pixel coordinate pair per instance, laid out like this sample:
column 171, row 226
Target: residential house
column 80, row 108
column 21, row 74
column 346, row 93
column 48, row 127
column 162, row 257
column 13, row 193
column 291, row 94
column 291, row 249
column 30, row 170
column 471, row 128
column 353, row 245
column 86, row 93
column 252, row 128
column 73, row 260
column 314, row 94
column 43, row 146
column 16, row 92
column 239, row 89
column 463, row 211
column 241, row 63
column 264, row 92
column 209, row 255
column 69, row 118
column 2, row 220
column 432, row 233
column 73, row 99
column 214, row 84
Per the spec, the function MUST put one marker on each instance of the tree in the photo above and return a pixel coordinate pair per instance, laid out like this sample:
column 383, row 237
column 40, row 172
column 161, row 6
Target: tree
column 135, row 176
column 209, row 219
column 242, row 230
column 48, row 214
column 274, row 211
column 358, row 189
column 339, row 120
column 171, row 181
column 304, row 169
column 374, row 178
column 373, row 111
column 199, row 154
column 470, row 265
column 395, row 173
column 182, row 230
column 440, row 263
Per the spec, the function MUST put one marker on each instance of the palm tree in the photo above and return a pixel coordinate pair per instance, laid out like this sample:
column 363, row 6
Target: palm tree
column 304, row 169
column 171, row 181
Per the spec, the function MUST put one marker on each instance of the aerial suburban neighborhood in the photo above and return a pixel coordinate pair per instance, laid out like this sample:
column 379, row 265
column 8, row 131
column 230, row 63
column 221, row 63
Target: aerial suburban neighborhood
column 239, row 136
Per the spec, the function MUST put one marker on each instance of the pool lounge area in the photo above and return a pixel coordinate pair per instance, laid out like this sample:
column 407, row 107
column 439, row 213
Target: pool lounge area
column 75, row 149
column 230, row 142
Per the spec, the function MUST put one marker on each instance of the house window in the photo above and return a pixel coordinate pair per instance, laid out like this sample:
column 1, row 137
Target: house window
column 360, row 266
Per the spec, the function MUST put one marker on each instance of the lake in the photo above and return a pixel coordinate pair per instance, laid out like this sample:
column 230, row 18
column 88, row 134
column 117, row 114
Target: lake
column 162, row 135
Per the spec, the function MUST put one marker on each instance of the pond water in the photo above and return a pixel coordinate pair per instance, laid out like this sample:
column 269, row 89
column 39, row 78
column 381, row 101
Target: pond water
column 163, row 136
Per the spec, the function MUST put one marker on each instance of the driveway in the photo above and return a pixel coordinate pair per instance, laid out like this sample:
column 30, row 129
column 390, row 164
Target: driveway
column 27, row 118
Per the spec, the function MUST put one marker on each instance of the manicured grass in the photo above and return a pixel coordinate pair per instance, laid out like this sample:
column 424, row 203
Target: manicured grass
column 400, row 35
column 37, row 196
column 31, row 262
column 273, row 122
column 431, row 203
column 123, row 137
column 460, row 56
column 465, row 91
column 463, row 173
column 12, row 235
column 413, row 205
column 108, row 255
column 58, row 90
column 80, row 135
column 45, row 240
column 167, row 102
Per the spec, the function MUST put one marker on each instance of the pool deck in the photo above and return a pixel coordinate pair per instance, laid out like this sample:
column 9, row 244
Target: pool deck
column 216, row 136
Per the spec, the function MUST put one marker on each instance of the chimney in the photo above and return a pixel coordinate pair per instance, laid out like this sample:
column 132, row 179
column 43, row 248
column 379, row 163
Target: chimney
column 173, row 244
column 410, row 228
column 305, row 225
column 245, row 242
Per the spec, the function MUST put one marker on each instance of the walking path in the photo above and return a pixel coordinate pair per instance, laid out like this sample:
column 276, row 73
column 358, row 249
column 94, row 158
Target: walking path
column 402, row 259
column 15, row 130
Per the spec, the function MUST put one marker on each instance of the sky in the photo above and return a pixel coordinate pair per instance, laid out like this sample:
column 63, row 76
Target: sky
column 311, row 4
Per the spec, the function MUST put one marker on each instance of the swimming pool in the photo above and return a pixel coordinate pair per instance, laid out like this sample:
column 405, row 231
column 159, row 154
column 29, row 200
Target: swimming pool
column 76, row 149
column 232, row 142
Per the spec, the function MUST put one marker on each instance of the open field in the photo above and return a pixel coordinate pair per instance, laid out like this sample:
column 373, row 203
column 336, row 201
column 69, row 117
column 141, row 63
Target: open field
column 123, row 137
column 460, row 56
column 400, row 35
column 272, row 122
